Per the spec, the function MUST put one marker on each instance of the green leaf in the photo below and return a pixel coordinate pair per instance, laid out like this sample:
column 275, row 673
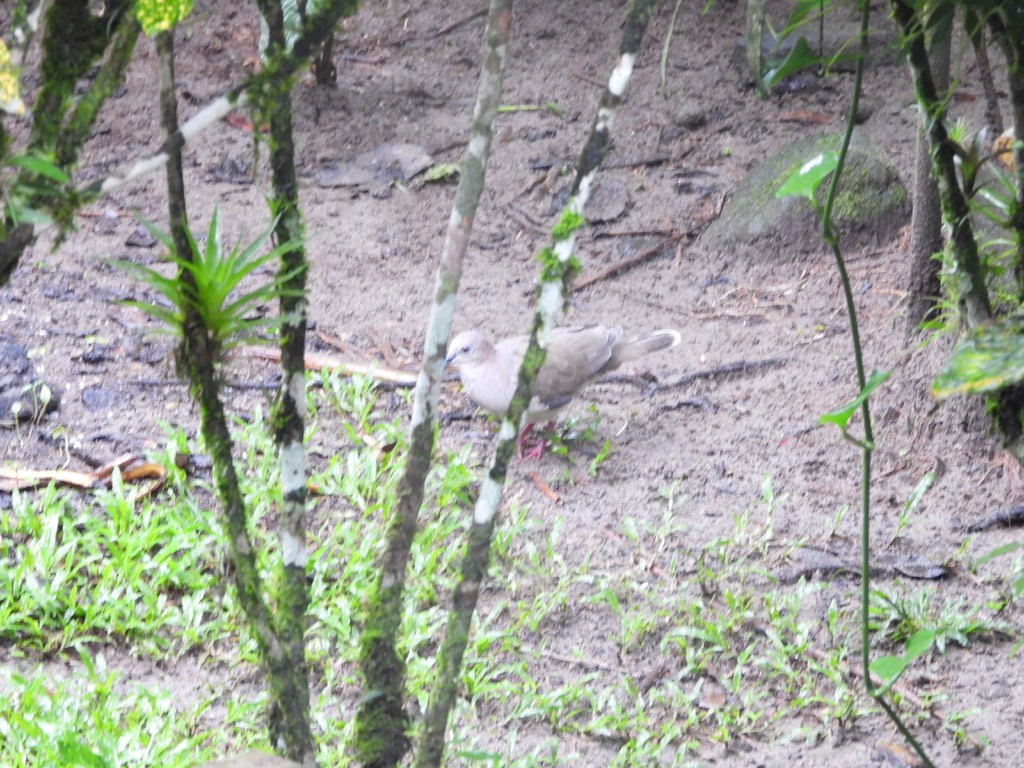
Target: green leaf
column 919, row 491
column 804, row 181
column 158, row 234
column 841, row 417
column 918, row 644
column 803, row 11
column 988, row 358
column 75, row 753
column 1004, row 549
column 161, row 15
column 211, row 292
column 478, row 756
column 41, row 166
column 888, row 668
column 801, row 57
column 24, row 725
column 439, row 172
column 26, row 215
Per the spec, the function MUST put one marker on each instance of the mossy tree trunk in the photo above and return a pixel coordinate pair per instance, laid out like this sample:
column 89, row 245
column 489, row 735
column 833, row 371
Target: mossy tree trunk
column 558, row 268
column 74, row 40
column 289, row 719
column 198, row 357
column 972, row 293
column 926, row 220
column 382, row 722
column 57, row 94
column 1006, row 406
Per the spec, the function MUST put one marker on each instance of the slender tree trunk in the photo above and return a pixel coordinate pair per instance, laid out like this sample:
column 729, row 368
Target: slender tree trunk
column 971, row 290
column 197, row 357
column 382, row 721
column 926, row 219
column 755, row 43
column 976, row 32
column 558, row 268
column 1011, row 41
column 289, row 718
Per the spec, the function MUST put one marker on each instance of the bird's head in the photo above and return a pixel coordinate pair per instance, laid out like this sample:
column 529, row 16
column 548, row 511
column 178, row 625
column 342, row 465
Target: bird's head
column 468, row 348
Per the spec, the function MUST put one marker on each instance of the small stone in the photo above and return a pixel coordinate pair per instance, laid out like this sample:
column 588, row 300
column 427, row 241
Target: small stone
column 140, row 238
column 97, row 398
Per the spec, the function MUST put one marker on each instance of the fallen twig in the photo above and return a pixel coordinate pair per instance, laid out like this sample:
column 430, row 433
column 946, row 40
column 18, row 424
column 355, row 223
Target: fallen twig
column 633, row 233
column 1004, row 518
column 586, row 79
column 544, row 488
column 623, row 266
column 316, row 362
column 646, row 161
column 456, row 24
column 691, row 402
column 28, row 479
column 646, row 381
column 740, row 366
column 525, row 220
column 580, row 661
column 262, row 385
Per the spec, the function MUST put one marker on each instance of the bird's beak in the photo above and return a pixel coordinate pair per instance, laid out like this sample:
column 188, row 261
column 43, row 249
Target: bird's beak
column 452, row 356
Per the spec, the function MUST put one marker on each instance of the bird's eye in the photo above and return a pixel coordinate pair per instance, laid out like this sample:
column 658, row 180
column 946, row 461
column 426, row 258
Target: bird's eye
column 466, row 349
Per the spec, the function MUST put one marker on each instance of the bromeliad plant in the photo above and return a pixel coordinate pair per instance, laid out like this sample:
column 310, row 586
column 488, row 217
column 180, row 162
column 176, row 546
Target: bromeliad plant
column 208, row 284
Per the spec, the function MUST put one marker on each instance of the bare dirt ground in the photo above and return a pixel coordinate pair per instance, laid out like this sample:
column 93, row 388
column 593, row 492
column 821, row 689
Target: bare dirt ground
column 373, row 259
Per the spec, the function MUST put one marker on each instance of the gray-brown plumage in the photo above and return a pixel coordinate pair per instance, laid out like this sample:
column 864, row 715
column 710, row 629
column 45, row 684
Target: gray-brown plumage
column 576, row 356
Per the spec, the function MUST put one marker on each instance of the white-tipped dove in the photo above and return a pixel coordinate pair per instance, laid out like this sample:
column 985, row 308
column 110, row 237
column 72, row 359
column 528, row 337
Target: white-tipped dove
column 576, row 356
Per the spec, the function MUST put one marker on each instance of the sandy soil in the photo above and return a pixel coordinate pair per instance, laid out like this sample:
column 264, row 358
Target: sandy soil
column 374, row 259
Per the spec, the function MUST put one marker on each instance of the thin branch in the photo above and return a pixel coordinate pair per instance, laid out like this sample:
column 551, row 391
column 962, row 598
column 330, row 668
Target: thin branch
column 316, row 31
column 558, row 269
column 619, row 267
column 289, row 712
column 832, row 238
column 382, row 723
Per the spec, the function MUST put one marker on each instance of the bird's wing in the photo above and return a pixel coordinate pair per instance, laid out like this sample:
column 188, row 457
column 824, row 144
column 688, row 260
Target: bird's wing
column 575, row 356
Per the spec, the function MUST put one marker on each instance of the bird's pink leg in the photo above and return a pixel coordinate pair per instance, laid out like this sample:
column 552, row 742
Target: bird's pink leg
column 532, row 449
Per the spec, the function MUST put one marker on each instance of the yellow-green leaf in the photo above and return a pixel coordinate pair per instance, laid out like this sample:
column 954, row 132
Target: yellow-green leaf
column 161, row 15
column 987, row 359
column 10, row 96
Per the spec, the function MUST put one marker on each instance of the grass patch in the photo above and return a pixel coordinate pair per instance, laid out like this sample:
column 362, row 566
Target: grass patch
column 90, row 720
column 669, row 648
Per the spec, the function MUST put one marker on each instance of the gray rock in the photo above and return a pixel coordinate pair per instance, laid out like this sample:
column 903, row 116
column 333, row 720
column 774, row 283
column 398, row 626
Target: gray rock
column 253, row 759
column 377, row 169
column 98, row 398
column 871, row 206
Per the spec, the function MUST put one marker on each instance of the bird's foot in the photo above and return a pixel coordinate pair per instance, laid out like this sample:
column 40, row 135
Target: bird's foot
column 531, row 447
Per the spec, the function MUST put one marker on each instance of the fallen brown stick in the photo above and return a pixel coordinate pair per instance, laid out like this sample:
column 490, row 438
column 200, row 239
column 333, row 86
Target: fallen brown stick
column 623, row 266
column 544, row 488
column 729, row 369
column 28, row 479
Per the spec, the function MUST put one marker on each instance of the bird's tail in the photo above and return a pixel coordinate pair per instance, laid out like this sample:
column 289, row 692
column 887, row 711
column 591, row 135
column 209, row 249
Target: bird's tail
column 644, row 345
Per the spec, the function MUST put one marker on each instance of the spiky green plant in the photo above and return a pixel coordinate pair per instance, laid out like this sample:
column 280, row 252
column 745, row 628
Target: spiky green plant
column 212, row 291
